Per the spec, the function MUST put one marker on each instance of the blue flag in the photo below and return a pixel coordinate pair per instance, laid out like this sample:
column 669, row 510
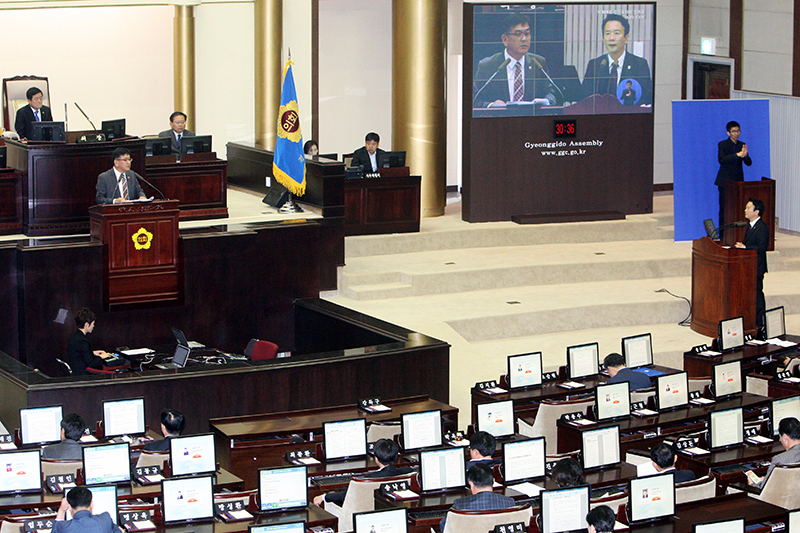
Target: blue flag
column 289, row 164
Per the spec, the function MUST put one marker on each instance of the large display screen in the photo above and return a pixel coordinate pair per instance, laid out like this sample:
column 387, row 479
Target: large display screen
column 562, row 59
column 652, row 497
column 192, row 455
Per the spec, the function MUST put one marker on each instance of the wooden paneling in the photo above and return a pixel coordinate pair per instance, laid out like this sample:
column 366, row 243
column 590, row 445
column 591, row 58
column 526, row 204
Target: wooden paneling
column 199, row 182
column 382, row 205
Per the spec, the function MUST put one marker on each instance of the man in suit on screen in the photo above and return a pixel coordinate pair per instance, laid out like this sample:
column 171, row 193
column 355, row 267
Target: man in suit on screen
column 513, row 75
column 612, row 69
column 756, row 237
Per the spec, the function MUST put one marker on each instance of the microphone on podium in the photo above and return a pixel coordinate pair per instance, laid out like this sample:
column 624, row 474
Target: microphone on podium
column 85, row 115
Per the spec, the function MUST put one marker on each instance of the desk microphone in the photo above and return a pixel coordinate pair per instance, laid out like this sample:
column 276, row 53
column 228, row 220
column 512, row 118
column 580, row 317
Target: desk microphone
column 85, row 115
column 503, row 65
column 150, row 184
column 536, row 62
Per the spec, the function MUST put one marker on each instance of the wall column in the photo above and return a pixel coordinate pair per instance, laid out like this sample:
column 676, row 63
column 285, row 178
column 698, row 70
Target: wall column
column 419, row 52
column 269, row 69
column 183, row 67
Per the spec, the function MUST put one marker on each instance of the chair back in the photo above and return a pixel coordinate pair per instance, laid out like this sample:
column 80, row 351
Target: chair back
column 264, row 350
column 544, row 425
column 377, row 431
column 460, row 521
column 246, row 498
column 701, row 488
column 757, row 385
column 147, row 458
column 781, row 487
column 642, row 395
column 612, row 500
column 58, row 467
column 698, row 384
column 360, row 498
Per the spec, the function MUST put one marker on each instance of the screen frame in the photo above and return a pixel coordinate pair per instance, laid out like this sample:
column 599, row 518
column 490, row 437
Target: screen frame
column 191, row 520
column 714, row 378
column 191, row 140
column 583, row 445
column 39, row 443
column 517, row 442
column 346, row 457
column 659, row 407
column 783, row 322
column 722, row 346
column 631, row 481
column 509, row 363
column 261, row 509
column 569, row 359
column 174, row 441
column 444, row 449
column 105, row 445
column 597, row 392
column 773, row 423
column 144, row 418
column 403, row 430
column 545, row 510
column 150, row 142
column 711, row 415
column 403, row 510
column 38, row 452
column 482, row 406
column 113, row 125
column 115, row 516
column 696, row 525
column 625, row 351
column 57, row 128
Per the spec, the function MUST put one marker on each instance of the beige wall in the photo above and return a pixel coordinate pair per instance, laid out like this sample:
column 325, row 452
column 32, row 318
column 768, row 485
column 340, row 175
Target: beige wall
column 767, row 44
column 710, row 18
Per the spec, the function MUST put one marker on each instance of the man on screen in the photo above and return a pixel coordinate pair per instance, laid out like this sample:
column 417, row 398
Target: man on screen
column 612, row 69
column 731, row 153
column 789, row 431
column 513, row 75
column 756, row 237
column 482, row 498
column 177, row 131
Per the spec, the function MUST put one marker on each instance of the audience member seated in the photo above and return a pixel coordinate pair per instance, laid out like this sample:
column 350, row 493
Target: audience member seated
column 79, row 349
column 367, row 156
column 35, row 111
column 615, row 364
column 664, row 457
column 385, row 455
column 789, row 431
column 481, row 448
column 79, row 503
column 480, row 480
column 72, row 429
column 567, row 473
column 311, row 147
column 172, row 424
column 601, row 519
column 177, row 131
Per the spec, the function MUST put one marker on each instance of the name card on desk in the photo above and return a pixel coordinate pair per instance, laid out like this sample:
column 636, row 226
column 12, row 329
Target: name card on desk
column 514, row 527
column 700, row 348
column 134, row 516
column 372, row 405
column 489, row 387
column 686, row 443
column 456, row 438
column 57, row 483
column 301, row 457
column 779, row 376
column 399, row 490
column 232, row 511
column 576, row 419
column 6, row 438
column 42, row 524
column 549, row 376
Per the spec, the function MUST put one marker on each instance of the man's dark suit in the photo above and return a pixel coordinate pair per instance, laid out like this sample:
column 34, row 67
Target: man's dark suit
column 536, row 83
column 386, row 471
column 66, row 449
column 86, row 522
column 361, row 159
column 637, row 380
column 22, row 124
column 757, row 238
column 681, row 476
column 174, row 148
column 730, row 168
column 158, row 445
column 107, row 188
column 490, row 462
column 598, row 79
column 628, row 96
column 482, row 501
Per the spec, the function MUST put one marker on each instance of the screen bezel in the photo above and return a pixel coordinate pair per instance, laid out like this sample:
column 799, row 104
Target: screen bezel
column 517, row 443
column 632, row 481
column 570, row 349
column 191, row 140
column 597, row 393
column 696, row 526
column 711, row 431
column 150, row 142
column 191, row 520
column 113, row 125
column 783, row 322
column 86, row 449
column 325, row 425
column 181, row 355
column 261, row 509
column 482, row 406
column 724, row 347
column 106, row 434
column 774, row 424
column 115, row 516
column 625, row 350
column 402, row 510
column 38, row 443
column 175, row 441
column 403, row 430
column 714, row 378
column 437, row 451
column 509, row 362
column 583, row 451
column 544, row 509
column 661, row 408
column 57, row 128
column 38, row 452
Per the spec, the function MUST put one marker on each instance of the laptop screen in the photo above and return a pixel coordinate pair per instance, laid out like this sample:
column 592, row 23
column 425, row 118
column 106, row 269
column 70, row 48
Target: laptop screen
column 180, row 338
column 421, row 430
column 565, row 509
column 287, row 527
column 192, row 455
column 726, row 428
column 600, row 447
column 442, row 469
column 345, row 439
column 651, row 497
column 282, row 488
column 583, row 360
column 188, row 499
column 672, row 391
column 524, row 370
column 104, row 499
column 784, row 408
column 735, row 525
column 731, row 334
column 775, row 322
column 727, row 379
column 107, row 463
column 123, row 417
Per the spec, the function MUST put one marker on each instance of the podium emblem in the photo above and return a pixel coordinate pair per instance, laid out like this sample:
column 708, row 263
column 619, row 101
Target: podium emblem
column 142, row 239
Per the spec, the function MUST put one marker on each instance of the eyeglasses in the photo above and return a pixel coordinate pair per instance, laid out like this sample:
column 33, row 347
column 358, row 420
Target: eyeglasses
column 128, row 159
column 519, row 34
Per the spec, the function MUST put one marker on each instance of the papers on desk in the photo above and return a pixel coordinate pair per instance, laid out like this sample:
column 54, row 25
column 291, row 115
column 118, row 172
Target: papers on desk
column 782, row 343
column 7, row 446
column 495, row 390
column 571, row 385
column 138, row 351
column 379, row 408
column 527, row 488
column 235, row 516
column 619, row 526
column 758, row 439
column 644, row 412
column 140, row 525
column 582, row 422
column 695, row 451
column 403, row 495
column 88, row 438
column 306, row 461
column 709, row 353
column 755, row 342
column 702, row 401
column 151, row 479
column 791, row 380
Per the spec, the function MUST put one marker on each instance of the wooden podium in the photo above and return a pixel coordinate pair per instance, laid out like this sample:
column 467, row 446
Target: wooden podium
column 736, row 195
column 723, row 286
column 142, row 261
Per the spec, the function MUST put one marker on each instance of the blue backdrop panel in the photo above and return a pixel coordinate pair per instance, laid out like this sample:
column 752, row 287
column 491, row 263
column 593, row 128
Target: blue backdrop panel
column 697, row 127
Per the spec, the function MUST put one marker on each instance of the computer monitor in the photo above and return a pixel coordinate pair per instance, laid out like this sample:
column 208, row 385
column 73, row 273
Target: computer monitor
column 523, row 460
column 725, row 428
column 600, row 447
column 711, row 230
column 284, row 488
column 672, row 391
column 192, row 454
column 421, row 430
column 442, row 469
column 638, row 350
column 726, row 379
column 104, row 500
column 383, row 521
column 196, row 144
column 565, row 509
column 107, row 463
column 188, row 499
column 496, row 418
column 21, row 471
column 286, row 527
column 651, row 497
column 392, row 159
column 40, row 425
column 784, row 408
column 731, row 334
column 524, row 370
column 729, row 525
column 157, row 146
column 793, row 521
column 775, row 322
column 123, row 417
column 333, row 156
column 48, row 131
column 583, row 360
column 114, row 129
column 613, row 400
column 345, row 439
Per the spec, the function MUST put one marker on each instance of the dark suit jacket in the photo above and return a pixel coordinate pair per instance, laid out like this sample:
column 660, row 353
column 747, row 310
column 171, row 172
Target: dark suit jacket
column 25, row 117
column 386, row 471
column 488, row 462
column 482, row 501
column 757, row 238
column 536, row 84
column 628, row 97
column 158, row 445
column 86, row 522
column 107, row 188
column 80, row 355
column 174, row 148
column 597, row 79
column 730, row 164
column 66, row 449
column 637, row 380
column 361, row 159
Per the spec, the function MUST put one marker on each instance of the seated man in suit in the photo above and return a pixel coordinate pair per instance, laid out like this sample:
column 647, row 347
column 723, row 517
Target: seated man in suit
column 177, row 123
column 72, row 429
column 664, row 457
column 35, row 111
column 172, row 423
column 513, row 75
column 79, row 503
column 367, row 157
column 480, row 480
column 120, row 183
column 481, row 448
column 607, row 72
column 789, row 431
column 601, row 519
column 386, row 451
column 615, row 364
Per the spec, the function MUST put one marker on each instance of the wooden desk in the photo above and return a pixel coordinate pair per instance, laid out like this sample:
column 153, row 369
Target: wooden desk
column 10, row 201
column 633, row 429
column 700, row 366
column 199, row 182
column 376, row 206
column 245, row 444
column 712, row 462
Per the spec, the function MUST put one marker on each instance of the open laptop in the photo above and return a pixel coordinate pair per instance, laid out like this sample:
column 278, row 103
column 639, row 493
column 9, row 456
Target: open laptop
column 182, row 351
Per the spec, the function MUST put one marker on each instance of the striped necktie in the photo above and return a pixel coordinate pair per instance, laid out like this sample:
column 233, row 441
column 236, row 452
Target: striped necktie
column 124, row 186
column 519, row 90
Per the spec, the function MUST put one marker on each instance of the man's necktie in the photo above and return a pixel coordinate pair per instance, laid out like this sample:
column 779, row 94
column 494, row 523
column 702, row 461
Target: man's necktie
column 124, row 186
column 36, row 116
column 519, row 91
column 179, row 141
column 612, row 83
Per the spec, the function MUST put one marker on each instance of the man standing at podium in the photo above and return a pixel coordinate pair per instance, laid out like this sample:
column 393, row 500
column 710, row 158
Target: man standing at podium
column 756, row 237
column 731, row 153
column 120, row 183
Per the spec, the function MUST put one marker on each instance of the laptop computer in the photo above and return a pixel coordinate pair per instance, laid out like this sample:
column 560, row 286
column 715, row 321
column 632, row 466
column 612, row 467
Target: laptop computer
column 182, row 351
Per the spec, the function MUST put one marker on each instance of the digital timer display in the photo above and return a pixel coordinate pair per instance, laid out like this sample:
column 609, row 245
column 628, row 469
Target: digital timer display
column 564, row 128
